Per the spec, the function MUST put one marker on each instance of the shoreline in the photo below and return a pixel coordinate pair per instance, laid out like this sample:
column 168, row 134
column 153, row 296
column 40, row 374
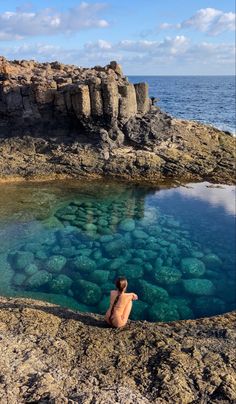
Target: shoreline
column 53, row 350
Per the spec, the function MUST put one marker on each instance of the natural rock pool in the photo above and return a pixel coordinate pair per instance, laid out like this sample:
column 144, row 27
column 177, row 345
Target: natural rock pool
column 66, row 242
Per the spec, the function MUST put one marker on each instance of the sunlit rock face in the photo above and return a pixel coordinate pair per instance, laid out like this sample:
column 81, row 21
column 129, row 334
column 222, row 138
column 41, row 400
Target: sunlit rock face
column 44, row 92
column 65, row 120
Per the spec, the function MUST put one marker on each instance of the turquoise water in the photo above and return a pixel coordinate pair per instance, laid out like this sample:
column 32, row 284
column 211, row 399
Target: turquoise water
column 66, row 242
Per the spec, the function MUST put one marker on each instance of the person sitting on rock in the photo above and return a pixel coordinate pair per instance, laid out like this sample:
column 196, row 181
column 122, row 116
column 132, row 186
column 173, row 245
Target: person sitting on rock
column 120, row 304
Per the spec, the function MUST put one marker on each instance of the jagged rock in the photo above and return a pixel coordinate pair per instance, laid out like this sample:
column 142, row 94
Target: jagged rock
column 74, row 121
column 160, row 363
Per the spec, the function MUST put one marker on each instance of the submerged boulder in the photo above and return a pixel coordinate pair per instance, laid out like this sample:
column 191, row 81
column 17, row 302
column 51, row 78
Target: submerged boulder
column 84, row 264
column 38, row 279
column 55, row 263
column 167, row 275
column 199, row 287
column 22, row 259
column 31, row 269
column 130, row 271
column 61, row 284
column 99, row 276
column 163, row 312
column 150, row 293
column 212, row 261
column 114, row 248
column 139, row 309
column 127, row 225
column 87, row 292
column 192, row 267
column 19, row 279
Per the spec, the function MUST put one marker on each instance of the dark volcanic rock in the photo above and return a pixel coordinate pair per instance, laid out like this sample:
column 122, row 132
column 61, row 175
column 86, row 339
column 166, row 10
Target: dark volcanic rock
column 64, row 121
column 62, row 356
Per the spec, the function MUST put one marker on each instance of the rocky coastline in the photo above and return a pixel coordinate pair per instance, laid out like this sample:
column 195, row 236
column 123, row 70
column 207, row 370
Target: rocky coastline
column 49, row 354
column 59, row 121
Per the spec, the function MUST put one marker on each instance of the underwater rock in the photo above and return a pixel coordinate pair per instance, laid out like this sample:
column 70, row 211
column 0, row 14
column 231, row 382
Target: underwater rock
column 212, row 261
column 41, row 255
column 199, row 287
column 90, row 227
column 139, row 310
column 173, row 250
column 55, row 263
column 84, row 264
column 105, row 239
column 130, row 271
column 114, row 248
column 19, row 279
column 150, row 293
column 32, row 247
column 127, row 225
column 22, row 259
column 31, row 269
column 197, row 254
column 99, row 276
column 60, row 284
column 182, row 305
column 167, row 275
column 104, row 304
column 139, row 234
column 117, row 263
column 38, row 279
column 163, row 312
column 87, row 292
column 107, row 287
column 192, row 267
column 208, row 306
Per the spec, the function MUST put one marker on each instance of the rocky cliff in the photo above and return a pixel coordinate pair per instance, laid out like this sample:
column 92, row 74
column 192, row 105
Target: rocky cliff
column 62, row 120
column 53, row 355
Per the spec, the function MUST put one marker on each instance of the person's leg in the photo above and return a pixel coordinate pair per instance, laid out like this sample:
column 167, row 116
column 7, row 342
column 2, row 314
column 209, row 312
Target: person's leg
column 126, row 312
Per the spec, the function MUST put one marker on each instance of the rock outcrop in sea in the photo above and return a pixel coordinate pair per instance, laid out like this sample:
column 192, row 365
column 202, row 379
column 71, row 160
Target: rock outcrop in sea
column 66, row 121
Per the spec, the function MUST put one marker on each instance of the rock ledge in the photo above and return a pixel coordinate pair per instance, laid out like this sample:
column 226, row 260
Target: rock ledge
column 67, row 121
column 53, row 355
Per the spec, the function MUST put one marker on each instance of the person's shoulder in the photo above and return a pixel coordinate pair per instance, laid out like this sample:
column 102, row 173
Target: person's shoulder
column 113, row 291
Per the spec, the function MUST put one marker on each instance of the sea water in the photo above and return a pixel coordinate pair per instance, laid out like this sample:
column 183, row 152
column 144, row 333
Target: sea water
column 207, row 99
column 67, row 242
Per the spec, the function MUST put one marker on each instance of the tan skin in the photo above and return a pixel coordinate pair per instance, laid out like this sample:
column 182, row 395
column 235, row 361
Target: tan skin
column 122, row 309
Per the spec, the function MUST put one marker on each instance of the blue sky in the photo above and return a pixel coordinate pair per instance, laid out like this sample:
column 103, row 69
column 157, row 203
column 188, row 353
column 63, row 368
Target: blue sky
column 163, row 37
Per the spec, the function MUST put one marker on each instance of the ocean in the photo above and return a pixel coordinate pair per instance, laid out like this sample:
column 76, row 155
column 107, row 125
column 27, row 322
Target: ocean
column 207, row 99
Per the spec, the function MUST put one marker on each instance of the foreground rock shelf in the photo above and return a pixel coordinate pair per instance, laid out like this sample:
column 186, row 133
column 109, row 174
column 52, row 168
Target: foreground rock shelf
column 53, row 355
column 67, row 121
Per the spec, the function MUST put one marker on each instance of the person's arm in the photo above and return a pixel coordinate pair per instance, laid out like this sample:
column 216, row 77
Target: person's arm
column 132, row 296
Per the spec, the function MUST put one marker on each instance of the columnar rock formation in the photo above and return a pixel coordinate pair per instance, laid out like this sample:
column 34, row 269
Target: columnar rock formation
column 32, row 92
column 64, row 120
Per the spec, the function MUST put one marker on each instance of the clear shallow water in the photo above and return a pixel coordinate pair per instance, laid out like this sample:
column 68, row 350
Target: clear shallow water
column 67, row 242
column 207, row 99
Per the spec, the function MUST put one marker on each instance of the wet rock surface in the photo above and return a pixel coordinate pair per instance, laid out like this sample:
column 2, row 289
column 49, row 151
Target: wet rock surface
column 62, row 356
column 67, row 121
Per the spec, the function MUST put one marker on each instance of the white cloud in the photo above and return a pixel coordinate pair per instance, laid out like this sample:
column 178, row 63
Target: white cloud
column 20, row 24
column 177, row 54
column 208, row 20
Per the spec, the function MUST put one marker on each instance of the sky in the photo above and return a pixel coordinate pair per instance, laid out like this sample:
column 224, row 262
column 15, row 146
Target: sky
column 148, row 37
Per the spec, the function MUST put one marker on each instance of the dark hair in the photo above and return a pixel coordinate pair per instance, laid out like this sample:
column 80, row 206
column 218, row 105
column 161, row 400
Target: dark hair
column 121, row 284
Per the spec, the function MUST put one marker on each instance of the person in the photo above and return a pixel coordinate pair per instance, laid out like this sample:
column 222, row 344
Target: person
column 120, row 304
